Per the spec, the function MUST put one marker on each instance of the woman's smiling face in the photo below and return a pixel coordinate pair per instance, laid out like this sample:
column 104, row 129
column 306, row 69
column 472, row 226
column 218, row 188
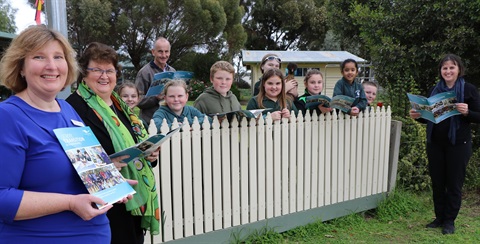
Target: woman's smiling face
column 101, row 83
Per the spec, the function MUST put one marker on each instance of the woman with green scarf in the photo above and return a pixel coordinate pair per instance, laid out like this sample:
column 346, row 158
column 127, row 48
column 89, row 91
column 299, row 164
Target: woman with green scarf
column 117, row 127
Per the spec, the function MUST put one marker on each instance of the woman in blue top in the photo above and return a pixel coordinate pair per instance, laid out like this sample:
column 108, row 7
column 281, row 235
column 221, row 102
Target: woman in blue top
column 42, row 199
column 174, row 107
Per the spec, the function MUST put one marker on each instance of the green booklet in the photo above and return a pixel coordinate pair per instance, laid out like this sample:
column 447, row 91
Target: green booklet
column 341, row 102
column 146, row 147
column 435, row 108
column 254, row 113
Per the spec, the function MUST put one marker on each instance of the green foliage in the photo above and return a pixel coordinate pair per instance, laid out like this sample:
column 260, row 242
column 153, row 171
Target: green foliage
column 282, row 25
column 198, row 63
column 395, row 95
column 403, row 38
column 344, row 28
column 235, row 90
column 472, row 177
column 132, row 26
column 195, row 88
column 412, row 173
column 399, row 203
column 7, row 22
column 264, row 235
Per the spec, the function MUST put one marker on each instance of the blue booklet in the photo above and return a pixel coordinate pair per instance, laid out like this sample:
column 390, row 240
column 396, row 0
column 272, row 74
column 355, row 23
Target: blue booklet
column 435, row 108
column 160, row 79
column 98, row 173
column 146, row 147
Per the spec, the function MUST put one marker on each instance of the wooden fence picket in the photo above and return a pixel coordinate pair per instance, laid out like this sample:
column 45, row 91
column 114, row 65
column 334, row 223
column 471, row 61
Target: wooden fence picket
column 215, row 176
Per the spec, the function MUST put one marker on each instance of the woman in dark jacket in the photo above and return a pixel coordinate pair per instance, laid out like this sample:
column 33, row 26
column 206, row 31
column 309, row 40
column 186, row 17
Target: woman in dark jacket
column 117, row 127
column 449, row 143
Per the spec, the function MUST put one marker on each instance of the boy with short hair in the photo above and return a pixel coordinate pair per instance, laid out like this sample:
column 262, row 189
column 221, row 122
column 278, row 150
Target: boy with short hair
column 370, row 88
column 218, row 98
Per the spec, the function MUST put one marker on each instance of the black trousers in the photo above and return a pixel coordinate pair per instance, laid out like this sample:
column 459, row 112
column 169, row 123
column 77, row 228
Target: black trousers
column 447, row 165
column 125, row 228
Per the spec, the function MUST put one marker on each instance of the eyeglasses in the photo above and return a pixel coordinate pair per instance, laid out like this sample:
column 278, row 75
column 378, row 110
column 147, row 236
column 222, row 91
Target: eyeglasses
column 99, row 72
column 272, row 58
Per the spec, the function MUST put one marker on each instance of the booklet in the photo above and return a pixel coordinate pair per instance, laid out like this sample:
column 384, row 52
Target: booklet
column 341, row 102
column 160, row 79
column 435, row 108
column 98, row 173
column 146, row 147
column 254, row 113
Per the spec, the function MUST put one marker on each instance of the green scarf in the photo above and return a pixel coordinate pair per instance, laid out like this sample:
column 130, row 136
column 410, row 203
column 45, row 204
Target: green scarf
column 145, row 201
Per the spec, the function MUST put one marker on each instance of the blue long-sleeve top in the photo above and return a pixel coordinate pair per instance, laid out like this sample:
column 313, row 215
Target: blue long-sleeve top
column 34, row 160
column 189, row 112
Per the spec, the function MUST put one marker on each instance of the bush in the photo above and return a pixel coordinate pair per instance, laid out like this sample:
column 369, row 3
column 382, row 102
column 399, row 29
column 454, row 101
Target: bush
column 472, row 177
column 243, row 84
column 195, row 88
column 235, row 90
column 413, row 163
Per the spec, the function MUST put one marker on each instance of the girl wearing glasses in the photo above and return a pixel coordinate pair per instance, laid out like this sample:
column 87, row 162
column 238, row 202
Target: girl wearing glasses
column 273, row 61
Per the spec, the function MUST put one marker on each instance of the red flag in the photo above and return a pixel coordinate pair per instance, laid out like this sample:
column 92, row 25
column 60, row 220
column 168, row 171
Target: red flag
column 38, row 5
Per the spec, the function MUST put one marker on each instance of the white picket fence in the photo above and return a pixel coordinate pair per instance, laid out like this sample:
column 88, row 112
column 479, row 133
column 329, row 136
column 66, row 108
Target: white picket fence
column 213, row 177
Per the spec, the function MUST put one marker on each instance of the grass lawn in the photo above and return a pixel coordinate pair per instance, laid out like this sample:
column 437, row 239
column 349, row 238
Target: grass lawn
column 399, row 219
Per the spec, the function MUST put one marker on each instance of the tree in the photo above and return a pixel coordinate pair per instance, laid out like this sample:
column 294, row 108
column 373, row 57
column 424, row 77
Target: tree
column 284, row 25
column 405, row 40
column 342, row 25
column 7, row 22
column 132, row 26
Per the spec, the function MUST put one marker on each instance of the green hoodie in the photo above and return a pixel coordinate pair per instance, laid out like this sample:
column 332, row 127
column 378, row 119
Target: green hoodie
column 212, row 102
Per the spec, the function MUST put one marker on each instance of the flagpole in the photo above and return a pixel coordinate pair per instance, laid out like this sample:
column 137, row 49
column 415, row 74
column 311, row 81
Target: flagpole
column 56, row 12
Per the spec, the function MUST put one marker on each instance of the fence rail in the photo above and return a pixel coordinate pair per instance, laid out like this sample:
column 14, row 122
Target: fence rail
column 213, row 177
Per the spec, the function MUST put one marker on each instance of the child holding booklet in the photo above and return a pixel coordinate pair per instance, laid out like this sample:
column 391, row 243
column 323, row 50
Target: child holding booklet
column 313, row 86
column 348, row 87
column 272, row 95
column 219, row 98
column 174, row 107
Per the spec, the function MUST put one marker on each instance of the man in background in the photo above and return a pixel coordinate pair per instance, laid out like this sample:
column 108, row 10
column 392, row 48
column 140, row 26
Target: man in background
column 161, row 54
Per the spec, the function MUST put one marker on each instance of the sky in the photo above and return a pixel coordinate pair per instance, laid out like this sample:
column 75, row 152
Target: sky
column 25, row 14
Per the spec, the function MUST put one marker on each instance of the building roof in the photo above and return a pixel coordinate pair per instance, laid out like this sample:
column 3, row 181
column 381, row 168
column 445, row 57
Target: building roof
column 255, row 56
column 5, row 35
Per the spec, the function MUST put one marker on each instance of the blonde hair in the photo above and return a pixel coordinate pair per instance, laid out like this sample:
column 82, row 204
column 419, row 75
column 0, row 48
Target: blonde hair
column 28, row 41
column 171, row 83
column 221, row 65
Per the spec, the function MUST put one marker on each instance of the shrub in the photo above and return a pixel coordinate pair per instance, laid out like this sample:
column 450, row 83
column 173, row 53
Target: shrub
column 195, row 88
column 235, row 90
column 243, row 84
column 472, row 177
column 413, row 164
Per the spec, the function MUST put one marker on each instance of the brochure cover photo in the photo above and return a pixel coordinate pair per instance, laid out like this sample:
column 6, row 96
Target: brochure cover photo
column 341, row 102
column 435, row 108
column 160, row 79
column 98, row 173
